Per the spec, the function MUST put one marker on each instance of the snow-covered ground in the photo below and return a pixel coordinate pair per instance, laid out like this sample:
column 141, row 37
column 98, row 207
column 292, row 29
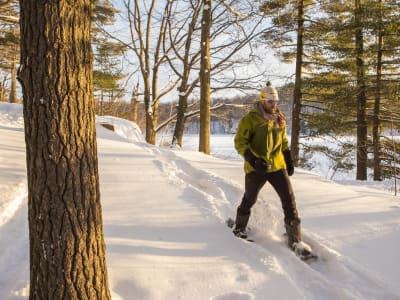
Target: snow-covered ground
column 164, row 217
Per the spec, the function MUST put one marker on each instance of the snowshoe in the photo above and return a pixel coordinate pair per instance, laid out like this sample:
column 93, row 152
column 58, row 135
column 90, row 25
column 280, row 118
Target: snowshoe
column 304, row 251
column 242, row 234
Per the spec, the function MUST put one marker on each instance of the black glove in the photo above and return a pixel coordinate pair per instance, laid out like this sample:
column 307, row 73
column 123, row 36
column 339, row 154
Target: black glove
column 259, row 164
column 289, row 162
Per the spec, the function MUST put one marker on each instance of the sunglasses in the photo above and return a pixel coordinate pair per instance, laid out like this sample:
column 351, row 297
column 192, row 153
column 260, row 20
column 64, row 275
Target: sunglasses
column 272, row 101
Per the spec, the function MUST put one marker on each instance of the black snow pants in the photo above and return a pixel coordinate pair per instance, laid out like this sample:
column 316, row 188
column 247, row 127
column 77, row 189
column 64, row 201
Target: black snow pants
column 253, row 183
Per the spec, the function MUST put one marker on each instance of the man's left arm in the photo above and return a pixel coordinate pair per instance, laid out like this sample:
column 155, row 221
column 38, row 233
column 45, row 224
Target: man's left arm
column 287, row 154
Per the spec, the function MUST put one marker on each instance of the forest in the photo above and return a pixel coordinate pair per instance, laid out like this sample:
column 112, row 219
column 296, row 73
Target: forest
column 162, row 63
column 345, row 56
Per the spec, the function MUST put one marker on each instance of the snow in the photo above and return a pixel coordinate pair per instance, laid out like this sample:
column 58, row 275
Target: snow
column 164, row 213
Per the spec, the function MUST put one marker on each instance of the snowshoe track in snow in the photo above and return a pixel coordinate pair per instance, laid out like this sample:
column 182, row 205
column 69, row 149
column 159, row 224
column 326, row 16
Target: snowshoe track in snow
column 333, row 275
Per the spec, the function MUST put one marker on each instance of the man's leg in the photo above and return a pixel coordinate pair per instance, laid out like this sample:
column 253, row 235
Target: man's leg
column 253, row 184
column 281, row 183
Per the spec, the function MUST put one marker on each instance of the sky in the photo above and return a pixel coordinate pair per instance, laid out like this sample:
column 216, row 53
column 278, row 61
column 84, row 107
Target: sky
column 164, row 213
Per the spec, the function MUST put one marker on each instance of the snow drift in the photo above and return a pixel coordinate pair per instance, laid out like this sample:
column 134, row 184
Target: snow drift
column 164, row 217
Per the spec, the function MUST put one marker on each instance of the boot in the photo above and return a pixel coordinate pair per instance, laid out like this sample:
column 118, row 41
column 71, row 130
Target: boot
column 241, row 224
column 295, row 243
column 293, row 233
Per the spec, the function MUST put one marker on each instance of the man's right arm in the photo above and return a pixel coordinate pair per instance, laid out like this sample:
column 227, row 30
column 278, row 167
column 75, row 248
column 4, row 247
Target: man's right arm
column 242, row 137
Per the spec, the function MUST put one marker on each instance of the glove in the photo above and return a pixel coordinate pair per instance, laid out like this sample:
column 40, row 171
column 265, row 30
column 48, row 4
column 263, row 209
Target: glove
column 289, row 162
column 259, row 164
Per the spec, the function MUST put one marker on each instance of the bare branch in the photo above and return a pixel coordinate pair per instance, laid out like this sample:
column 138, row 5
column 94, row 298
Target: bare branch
column 232, row 10
column 9, row 19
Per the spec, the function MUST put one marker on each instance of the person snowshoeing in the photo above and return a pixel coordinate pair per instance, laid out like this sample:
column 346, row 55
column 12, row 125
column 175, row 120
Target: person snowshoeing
column 262, row 140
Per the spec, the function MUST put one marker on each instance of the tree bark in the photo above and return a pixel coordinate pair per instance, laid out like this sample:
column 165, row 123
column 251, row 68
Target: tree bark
column 205, row 94
column 134, row 104
column 180, row 121
column 361, row 96
column 376, row 119
column 150, row 129
column 67, row 251
column 13, row 92
column 296, row 108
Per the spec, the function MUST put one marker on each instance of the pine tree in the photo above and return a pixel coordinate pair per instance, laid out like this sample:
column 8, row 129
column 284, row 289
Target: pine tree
column 108, row 72
column 67, row 251
column 345, row 80
column 9, row 47
column 383, row 22
column 291, row 20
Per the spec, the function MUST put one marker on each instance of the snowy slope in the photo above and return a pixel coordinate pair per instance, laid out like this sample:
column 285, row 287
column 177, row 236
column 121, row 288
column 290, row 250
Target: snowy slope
column 164, row 213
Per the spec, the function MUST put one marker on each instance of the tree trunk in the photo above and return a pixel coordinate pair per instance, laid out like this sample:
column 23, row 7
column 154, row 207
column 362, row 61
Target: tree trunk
column 134, row 110
column 134, row 104
column 101, row 103
column 184, row 88
column 13, row 92
column 295, row 136
column 205, row 97
column 154, row 122
column 2, row 93
column 180, row 121
column 361, row 97
column 376, row 119
column 150, row 132
column 67, row 251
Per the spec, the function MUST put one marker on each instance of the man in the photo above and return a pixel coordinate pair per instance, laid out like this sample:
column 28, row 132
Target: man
column 261, row 139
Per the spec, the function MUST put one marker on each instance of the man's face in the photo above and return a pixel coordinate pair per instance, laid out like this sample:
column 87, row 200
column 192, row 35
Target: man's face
column 270, row 106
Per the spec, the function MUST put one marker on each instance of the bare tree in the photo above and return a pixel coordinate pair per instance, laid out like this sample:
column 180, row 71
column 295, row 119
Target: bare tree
column 67, row 251
column 147, row 29
column 189, row 59
column 205, row 69
column 232, row 36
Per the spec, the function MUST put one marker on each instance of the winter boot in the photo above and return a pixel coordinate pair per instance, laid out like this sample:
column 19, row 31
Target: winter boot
column 293, row 233
column 240, row 225
column 240, row 233
column 295, row 243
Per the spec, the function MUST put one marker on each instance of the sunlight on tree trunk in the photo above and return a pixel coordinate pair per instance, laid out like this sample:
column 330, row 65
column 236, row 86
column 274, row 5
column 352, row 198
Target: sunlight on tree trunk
column 205, row 94
column 67, row 250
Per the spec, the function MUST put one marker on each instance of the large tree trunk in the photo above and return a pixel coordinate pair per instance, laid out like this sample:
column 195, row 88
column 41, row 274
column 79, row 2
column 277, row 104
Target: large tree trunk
column 295, row 135
column 361, row 97
column 205, row 95
column 376, row 119
column 67, row 251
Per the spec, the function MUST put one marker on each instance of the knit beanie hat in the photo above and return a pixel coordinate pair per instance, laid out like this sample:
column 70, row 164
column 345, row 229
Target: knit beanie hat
column 269, row 93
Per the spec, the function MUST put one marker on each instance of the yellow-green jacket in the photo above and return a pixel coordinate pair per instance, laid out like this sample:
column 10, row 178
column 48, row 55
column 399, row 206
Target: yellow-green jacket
column 264, row 138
